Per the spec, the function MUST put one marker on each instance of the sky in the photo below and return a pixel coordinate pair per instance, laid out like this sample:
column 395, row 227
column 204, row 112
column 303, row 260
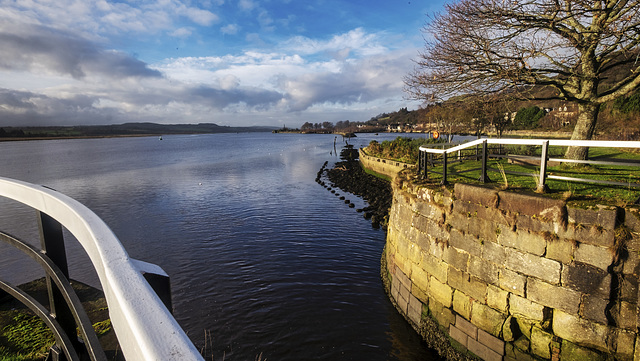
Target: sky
column 235, row 63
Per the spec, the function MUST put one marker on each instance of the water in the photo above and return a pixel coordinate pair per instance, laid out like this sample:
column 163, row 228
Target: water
column 261, row 257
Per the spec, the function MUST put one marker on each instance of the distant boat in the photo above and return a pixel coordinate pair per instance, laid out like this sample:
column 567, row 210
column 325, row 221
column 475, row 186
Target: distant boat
column 160, row 137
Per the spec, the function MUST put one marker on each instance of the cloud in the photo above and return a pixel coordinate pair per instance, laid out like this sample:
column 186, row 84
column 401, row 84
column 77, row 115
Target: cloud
column 230, row 29
column 46, row 50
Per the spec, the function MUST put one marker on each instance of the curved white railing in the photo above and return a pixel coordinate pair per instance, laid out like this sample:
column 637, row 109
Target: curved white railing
column 552, row 142
column 145, row 328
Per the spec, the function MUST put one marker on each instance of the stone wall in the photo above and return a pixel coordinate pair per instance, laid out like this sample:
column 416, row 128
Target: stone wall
column 387, row 167
column 509, row 276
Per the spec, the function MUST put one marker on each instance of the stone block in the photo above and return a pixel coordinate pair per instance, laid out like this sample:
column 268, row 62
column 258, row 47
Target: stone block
column 483, row 228
column 541, row 343
column 440, row 292
column 594, row 308
column 498, row 299
column 470, row 285
column 586, row 278
column 435, row 267
column 624, row 313
column 560, row 250
column 520, row 306
column 420, row 294
column 632, row 263
column 465, row 242
column 482, row 351
column 443, row 315
column 594, row 255
column 494, row 252
column 625, row 341
column 512, row 282
column 459, row 221
column 535, row 224
column 462, row 304
column 547, row 208
column 429, row 210
column 456, row 258
column 476, row 194
column 573, row 352
column 458, row 335
column 419, row 277
column 525, row 325
column 523, row 240
column 414, row 310
column 530, row 265
column 484, row 270
column 491, row 341
column 603, row 216
column 552, row 296
column 510, row 329
column 466, row 327
column 628, row 288
column 436, row 249
column 487, row 319
column 580, row 331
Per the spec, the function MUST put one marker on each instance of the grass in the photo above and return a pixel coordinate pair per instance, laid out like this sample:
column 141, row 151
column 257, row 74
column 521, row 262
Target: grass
column 573, row 192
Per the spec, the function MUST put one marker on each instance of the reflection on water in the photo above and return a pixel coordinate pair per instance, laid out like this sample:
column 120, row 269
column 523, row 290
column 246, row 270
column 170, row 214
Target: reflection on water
column 259, row 255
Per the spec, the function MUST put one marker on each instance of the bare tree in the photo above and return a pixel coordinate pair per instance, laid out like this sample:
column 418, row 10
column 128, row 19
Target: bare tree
column 491, row 46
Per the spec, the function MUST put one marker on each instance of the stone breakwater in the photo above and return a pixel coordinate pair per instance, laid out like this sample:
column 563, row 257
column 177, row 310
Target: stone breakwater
column 509, row 276
column 348, row 176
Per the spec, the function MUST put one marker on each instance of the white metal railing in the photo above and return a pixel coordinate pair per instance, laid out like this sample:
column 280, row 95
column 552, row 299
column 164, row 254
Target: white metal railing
column 544, row 158
column 145, row 328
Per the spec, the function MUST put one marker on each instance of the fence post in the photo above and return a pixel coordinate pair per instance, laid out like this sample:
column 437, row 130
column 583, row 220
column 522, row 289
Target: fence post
column 483, row 177
column 52, row 244
column 542, row 187
column 444, row 168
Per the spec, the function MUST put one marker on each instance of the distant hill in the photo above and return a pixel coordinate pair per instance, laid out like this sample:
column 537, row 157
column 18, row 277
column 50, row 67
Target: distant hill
column 127, row 129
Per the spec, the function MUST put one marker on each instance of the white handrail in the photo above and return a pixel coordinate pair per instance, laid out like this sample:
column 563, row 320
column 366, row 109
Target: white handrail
column 552, row 142
column 145, row 329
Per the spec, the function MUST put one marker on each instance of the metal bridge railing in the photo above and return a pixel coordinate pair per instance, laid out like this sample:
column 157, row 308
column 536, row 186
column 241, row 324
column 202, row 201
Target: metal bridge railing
column 435, row 157
column 137, row 293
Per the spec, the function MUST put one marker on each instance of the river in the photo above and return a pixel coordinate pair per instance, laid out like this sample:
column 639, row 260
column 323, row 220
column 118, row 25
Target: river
column 261, row 258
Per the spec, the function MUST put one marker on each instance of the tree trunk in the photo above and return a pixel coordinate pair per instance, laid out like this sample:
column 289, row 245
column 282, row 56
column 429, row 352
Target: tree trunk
column 584, row 129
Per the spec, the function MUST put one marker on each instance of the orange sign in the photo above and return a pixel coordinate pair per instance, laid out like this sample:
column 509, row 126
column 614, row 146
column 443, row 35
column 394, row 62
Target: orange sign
column 435, row 134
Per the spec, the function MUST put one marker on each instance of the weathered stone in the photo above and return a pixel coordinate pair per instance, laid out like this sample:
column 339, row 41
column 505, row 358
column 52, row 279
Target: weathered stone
column 466, row 327
column 560, row 250
column 594, row 307
column 482, row 351
column 470, row 285
column 458, row 335
column 523, row 240
column 553, row 296
column 625, row 341
column 436, row 249
column 510, row 329
column 462, row 304
column 541, row 342
column 419, row 278
column 459, row 221
column 476, row 194
column 632, row 263
column 530, row 205
column 440, row 292
column 520, row 306
column 443, row 315
column 624, row 314
column 580, row 331
column 525, row 326
column 628, row 286
column 486, row 318
column 572, row 352
column 594, row 255
column 493, row 252
column 484, row 270
column 435, row 267
column 491, row 341
column 483, row 228
column 512, row 282
column 530, row 265
column 498, row 299
column 586, row 278
column 429, row 210
column 414, row 310
column 465, row 243
column 456, row 258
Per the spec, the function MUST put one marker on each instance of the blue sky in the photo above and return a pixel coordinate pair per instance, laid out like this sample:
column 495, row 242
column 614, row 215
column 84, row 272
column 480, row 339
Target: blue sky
column 237, row 63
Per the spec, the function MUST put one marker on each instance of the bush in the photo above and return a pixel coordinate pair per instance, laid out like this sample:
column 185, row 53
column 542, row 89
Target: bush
column 527, row 118
column 401, row 149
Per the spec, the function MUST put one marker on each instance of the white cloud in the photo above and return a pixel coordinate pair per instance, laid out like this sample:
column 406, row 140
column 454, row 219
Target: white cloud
column 230, row 29
column 246, row 5
column 181, row 33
